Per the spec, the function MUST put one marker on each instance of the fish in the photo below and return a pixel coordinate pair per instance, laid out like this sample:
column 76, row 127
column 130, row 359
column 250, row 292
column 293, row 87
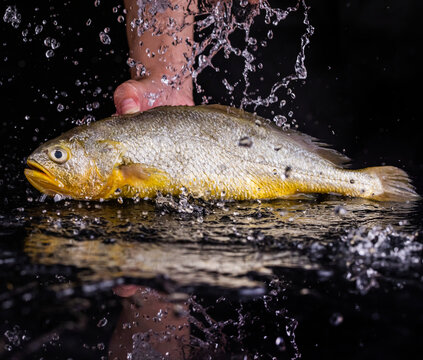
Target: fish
column 207, row 151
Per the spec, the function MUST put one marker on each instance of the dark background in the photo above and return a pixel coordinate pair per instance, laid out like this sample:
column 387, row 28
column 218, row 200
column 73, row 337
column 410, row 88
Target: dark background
column 362, row 93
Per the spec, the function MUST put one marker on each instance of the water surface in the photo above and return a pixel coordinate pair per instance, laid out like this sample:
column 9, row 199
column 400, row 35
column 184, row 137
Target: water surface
column 311, row 277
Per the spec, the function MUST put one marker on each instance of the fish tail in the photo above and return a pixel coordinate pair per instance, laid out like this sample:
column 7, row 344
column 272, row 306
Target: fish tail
column 395, row 184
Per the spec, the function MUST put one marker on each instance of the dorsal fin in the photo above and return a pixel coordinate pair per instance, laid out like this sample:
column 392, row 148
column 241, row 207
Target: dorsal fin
column 229, row 110
column 307, row 142
column 314, row 145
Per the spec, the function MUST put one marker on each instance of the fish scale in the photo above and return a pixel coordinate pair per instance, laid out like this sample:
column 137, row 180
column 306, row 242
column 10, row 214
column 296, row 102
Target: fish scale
column 212, row 151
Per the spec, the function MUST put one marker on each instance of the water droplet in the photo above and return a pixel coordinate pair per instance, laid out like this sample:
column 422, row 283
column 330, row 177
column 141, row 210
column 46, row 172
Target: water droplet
column 165, row 80
column 102, row 322
column 280, row 120
column 131, row 62
column 245, row 141
column 140, row 70
column 340, row 210
column 38, row 29
column 228, row 86
column 54, row 44
column 49, row 53
column 280, row 343
column 104, row 38
column 336, row 319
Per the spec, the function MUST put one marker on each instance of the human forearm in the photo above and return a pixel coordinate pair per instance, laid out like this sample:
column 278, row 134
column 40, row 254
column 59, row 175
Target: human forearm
column 167, row 77
column 162, row 50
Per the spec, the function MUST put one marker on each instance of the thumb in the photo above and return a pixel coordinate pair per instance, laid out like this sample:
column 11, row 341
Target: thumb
column 126, row 98
column 125, row 290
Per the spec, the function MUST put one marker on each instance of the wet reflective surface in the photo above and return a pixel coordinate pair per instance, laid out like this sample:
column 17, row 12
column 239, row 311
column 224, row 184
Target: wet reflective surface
column 181, row 279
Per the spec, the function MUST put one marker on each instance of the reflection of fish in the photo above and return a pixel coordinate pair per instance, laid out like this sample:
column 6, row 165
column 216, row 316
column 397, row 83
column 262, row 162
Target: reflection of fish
column 211, row 151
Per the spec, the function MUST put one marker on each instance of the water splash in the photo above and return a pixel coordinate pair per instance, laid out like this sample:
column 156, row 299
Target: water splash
column 235, row 332
column 105, row 38
column 215, row 23
column 183, row 204
column 370, row 252
column 12, row 16
column 16, row 336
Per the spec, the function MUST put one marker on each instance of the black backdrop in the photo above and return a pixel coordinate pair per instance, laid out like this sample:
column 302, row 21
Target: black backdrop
column 362, row 93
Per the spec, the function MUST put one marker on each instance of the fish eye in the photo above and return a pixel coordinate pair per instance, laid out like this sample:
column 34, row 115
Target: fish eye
column 58, row 155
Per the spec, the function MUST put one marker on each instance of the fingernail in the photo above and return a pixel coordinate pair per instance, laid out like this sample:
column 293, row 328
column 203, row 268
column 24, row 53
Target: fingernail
column 128, row 106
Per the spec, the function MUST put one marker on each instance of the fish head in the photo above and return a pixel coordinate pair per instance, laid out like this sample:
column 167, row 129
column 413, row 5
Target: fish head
column 75, row 167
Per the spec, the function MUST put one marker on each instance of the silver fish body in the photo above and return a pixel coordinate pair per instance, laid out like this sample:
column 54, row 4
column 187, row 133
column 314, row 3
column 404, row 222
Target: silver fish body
column 216, row 152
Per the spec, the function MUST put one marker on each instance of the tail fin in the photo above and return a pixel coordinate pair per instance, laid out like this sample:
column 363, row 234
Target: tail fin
column 395, row 183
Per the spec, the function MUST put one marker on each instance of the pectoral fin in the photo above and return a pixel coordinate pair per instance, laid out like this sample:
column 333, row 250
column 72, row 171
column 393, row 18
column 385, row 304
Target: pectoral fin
column 110, row 153
column 142, row 180
column 135, row 172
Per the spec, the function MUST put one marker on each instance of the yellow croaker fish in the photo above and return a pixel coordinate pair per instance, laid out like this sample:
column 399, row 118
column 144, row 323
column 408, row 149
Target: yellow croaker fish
column 209, row 151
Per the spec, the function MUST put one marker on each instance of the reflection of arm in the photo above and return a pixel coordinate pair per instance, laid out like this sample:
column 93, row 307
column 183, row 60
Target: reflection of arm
column 173, row 59
column 150, row 325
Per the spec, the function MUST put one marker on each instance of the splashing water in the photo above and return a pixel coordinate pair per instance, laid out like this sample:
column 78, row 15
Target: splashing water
column 225, row 18
column 221, row 27
column 215, row 22
column 369, row 252
column 12, row 16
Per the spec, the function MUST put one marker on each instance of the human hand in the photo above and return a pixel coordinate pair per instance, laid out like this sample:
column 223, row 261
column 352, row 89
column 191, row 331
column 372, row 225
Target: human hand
column 161, row 56
column 142, row 94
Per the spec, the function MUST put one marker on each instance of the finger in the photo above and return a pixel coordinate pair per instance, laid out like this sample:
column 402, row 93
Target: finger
column 125, row 290
column 126, row 98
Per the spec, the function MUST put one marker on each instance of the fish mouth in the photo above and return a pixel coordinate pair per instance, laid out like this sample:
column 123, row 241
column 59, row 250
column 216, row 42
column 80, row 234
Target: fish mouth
column 42, row 179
